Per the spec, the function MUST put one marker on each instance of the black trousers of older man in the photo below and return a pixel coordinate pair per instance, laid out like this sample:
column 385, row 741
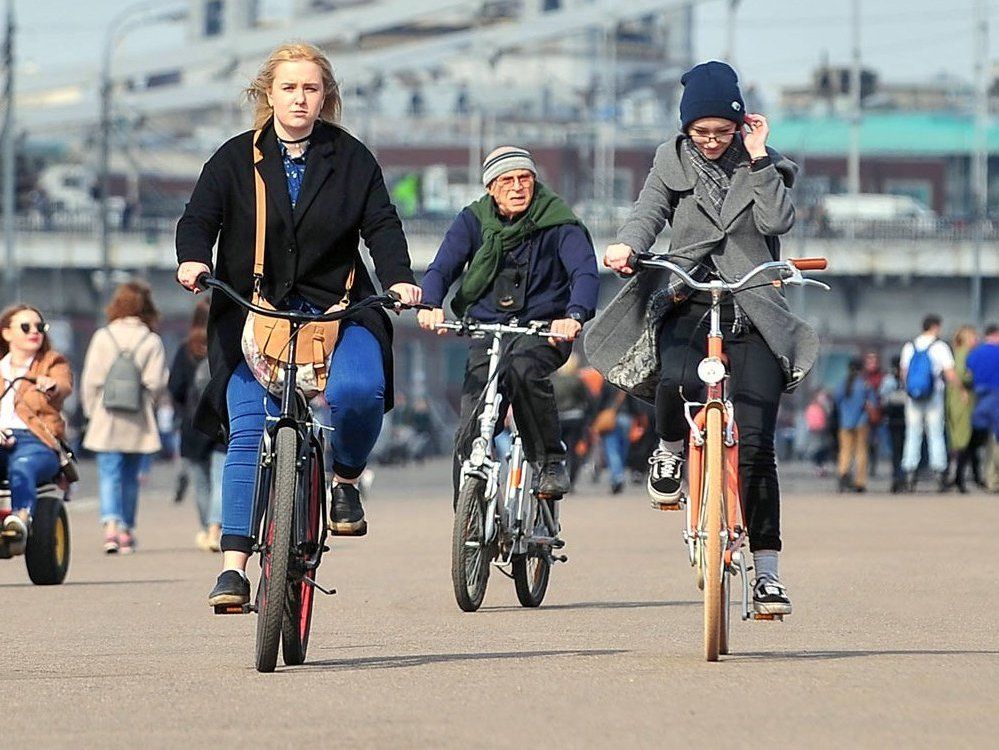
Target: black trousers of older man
column 525, row 383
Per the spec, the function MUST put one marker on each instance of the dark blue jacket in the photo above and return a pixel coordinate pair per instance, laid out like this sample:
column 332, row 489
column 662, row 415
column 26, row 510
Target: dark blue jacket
column 561, row 272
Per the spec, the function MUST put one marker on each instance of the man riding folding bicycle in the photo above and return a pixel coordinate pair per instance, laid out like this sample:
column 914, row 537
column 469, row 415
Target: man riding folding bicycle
column 530, row 260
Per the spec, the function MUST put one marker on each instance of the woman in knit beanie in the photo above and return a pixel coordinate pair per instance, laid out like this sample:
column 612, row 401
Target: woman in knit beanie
column 726, row 197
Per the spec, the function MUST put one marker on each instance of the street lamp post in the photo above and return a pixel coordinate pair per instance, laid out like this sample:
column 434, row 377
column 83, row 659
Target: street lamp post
column 127, row 20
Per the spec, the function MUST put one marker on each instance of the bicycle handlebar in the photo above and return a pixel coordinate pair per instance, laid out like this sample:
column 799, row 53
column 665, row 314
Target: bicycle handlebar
column 462, row 327
column 15, row 381
column 790, row 272
column 390, row 299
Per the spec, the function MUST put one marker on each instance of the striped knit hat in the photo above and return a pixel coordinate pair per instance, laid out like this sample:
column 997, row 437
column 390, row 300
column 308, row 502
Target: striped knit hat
column 506, row 159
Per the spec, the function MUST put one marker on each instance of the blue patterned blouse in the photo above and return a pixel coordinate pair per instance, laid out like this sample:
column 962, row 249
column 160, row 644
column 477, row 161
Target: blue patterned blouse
column 294, row 170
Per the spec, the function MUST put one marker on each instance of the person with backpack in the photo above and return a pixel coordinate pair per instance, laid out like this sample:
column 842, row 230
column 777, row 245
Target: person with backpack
column 926, row 363
column 203, row 457
column 124, row 379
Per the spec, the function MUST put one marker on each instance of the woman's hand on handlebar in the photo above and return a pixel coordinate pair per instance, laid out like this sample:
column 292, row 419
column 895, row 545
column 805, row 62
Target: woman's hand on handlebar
column 188, row 273
column 409, row 294
column 618, row 257
column 429, row 319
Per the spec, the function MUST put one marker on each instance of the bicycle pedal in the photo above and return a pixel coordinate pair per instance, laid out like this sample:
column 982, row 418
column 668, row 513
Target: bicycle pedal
column 558, row 543
column 560, row 558
column 234, row 609
column 667, row 506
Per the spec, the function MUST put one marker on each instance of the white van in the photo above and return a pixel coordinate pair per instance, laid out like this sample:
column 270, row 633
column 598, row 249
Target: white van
column 875, row 208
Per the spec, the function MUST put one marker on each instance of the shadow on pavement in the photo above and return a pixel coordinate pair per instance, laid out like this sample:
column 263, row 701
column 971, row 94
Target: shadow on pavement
column 422, row 660
column 594, row 605
column 830, row 655
column 135, row 582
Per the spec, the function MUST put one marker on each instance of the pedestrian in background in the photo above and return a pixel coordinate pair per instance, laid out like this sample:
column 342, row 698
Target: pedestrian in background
column 983, row 362
column 893, row 400
column 926, row 363
column 855, row 399
column 202, row 456
column 963, row 440
column 873, row 376
column 817, row 423
column 574, row 408
column 124, row 381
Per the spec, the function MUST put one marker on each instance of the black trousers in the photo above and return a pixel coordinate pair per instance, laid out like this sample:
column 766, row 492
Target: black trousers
column 756, row 383
column 525, row 383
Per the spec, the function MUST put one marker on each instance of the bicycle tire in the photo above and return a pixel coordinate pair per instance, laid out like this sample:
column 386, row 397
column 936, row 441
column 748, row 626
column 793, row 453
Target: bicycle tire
column 277, row 550
column 532, row 585
column 301, row 595
column 46, row 554
column 470, row 564
column 724, row 632
column 713, row 488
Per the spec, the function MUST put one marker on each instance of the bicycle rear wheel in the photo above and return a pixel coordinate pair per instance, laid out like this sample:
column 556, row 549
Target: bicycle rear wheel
column 712, row 545
column 531, row 571
column 469, row 556
column 301, row 594
column 272, row 589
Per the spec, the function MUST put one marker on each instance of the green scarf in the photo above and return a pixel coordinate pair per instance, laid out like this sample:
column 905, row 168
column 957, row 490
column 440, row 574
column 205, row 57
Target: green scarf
column 547, row 210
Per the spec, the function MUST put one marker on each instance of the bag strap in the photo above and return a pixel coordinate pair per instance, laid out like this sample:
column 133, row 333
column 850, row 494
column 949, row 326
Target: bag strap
column 261, row 215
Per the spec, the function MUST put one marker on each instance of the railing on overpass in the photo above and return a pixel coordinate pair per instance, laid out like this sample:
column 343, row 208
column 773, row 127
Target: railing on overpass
column 86, row 222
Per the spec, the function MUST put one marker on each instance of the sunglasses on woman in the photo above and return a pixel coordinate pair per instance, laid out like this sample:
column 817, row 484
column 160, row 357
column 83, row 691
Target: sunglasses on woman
column 39, row 327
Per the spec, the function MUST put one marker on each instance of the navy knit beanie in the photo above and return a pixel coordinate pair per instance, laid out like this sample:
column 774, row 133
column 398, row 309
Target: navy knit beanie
column 711, row 89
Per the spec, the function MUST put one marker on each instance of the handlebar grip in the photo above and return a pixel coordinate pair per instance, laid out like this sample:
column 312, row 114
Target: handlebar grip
column 809, row 264
column 200, row 281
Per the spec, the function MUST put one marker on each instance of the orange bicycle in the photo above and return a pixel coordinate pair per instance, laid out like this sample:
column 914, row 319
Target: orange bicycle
column 715, row 530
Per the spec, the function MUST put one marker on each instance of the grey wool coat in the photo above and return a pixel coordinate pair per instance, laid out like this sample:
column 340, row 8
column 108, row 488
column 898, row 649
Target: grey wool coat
column 622, row 341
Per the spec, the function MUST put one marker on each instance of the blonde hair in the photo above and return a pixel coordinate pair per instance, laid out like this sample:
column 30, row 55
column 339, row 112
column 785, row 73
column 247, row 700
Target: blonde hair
column 964, row 336
column 258, row 89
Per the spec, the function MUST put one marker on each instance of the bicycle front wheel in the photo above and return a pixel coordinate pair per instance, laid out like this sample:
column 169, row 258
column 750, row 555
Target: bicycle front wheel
column 273, row 586
column 712, row 545
column 470, row 557
column 301, row 594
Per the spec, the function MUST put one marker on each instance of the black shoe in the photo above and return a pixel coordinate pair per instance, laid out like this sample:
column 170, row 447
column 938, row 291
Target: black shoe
column 230, row 588
column 770, row 597
column 860, row 489
column 666, row 478
column 617, row 488
column 845, row 484
column 910, row 482
column 347, row 514
column 553, row 481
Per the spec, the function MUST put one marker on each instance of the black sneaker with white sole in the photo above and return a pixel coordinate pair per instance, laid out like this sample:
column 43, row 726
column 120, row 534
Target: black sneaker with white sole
column 770, row 597
column 347, row 513
column 666, row 478
column 231, row 588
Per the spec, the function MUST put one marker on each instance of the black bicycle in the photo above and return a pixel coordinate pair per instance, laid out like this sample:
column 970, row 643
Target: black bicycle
column 289, row 513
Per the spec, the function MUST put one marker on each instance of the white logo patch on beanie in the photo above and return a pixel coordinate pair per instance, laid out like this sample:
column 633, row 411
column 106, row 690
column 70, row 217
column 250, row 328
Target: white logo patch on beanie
column 736, row 106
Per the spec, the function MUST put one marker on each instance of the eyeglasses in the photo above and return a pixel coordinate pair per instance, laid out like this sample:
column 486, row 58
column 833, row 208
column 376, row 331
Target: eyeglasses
column 508, row 181
column 39, row 327
column 701, row 137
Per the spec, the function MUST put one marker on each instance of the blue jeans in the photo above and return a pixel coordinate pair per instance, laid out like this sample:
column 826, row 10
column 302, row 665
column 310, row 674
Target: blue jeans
column 26, row 464
column 616, row 448
column 119, row 486
column 356, row 394
column 929, row 416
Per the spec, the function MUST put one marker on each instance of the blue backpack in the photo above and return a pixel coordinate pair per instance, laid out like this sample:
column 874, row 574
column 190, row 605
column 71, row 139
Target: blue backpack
column 919, row 380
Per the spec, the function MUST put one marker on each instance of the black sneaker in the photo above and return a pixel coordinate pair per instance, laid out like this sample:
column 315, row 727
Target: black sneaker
column 230, row 588
column 666, row 478
column 770, row 597
column 553, row 481
column 346, row 513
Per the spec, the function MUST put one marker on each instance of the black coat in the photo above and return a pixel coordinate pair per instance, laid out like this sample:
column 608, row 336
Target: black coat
column 309, row 251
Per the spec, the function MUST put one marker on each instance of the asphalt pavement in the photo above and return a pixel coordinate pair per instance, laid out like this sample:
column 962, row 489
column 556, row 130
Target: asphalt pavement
column 894, row 638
